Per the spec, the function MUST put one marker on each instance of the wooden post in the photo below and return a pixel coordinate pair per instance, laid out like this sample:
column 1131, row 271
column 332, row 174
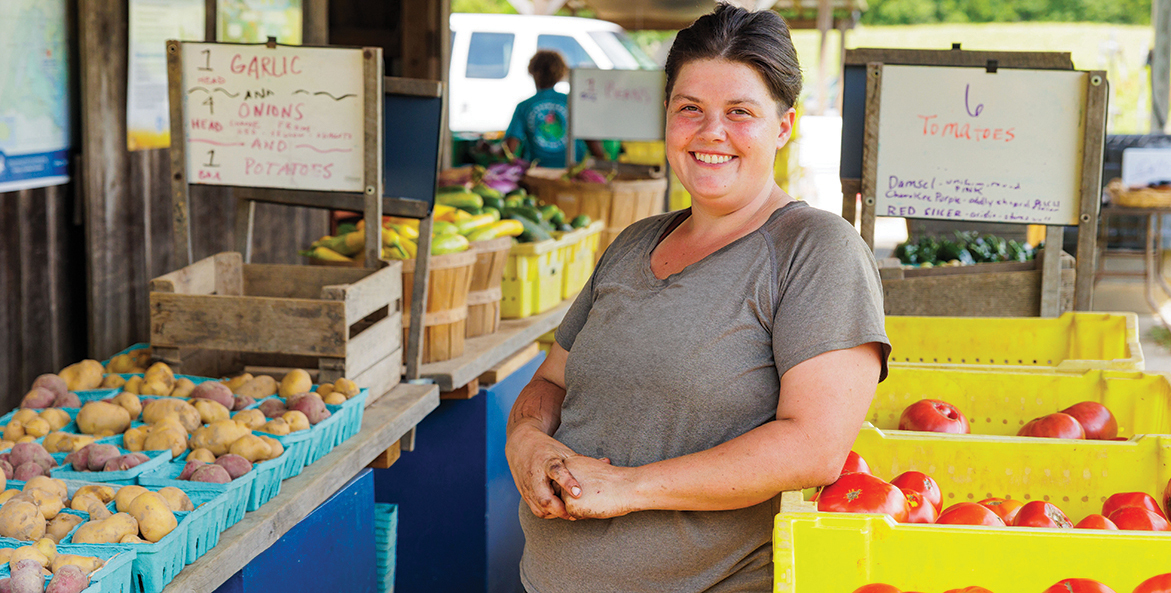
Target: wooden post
column 1160, row 65
column 825, row 22
column 1051, row 272
column 372, row 152
column 414, row 359
column 315, row 22
column 179, row 192
column 870, row 150
column 1091, row 183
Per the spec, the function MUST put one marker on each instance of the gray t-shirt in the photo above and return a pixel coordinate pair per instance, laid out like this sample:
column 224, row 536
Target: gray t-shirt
column 658, row 369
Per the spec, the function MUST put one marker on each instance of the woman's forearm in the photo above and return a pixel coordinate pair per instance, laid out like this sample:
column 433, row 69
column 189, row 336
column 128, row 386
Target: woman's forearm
column 537, row 406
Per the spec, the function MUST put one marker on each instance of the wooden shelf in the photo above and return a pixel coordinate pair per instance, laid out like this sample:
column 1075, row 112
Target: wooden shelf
column 384, row 422
column 484, row 352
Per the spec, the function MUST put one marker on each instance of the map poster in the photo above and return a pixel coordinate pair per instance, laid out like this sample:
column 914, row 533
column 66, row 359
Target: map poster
column 254, row 21
column 152, row 23
column 34, row 94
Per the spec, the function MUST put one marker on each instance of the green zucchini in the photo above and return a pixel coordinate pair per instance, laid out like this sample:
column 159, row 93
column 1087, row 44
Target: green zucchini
column 533, row 232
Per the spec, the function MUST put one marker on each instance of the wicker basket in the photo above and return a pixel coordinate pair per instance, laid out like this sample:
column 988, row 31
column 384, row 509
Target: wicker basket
column 445, row 322
column 484, row 294
column 1145, row 197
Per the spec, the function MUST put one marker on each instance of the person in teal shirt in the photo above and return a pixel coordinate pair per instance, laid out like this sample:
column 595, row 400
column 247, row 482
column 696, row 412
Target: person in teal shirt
column 540, row 123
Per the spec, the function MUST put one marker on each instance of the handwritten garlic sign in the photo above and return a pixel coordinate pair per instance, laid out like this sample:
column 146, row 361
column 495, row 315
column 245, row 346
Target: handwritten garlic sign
column 282, row 117
column 967, row 144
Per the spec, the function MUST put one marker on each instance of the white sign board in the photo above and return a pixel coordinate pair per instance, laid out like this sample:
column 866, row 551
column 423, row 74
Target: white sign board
column 1143, row 166
column 968, row 144
column 617, row 104
column 281, row 117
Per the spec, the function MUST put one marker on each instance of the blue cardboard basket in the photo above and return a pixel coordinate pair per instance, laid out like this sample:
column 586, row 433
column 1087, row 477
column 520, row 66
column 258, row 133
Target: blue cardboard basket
column 124, row 477
column 352, row 411
column 385, row 542
column 112, row 577
column 268, row 480
column 204, row 523
column 235, row 493
column 156, row 564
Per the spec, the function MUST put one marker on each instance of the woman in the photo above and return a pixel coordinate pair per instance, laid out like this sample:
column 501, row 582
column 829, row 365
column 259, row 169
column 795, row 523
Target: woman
column 719, row 355
column 540, row 123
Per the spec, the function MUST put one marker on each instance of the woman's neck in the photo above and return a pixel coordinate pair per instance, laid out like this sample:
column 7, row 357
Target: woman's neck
column 708, row 221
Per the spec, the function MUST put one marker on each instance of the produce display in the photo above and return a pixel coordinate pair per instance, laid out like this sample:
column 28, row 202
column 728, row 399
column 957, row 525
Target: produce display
column 30, row 566
column 965, row 248
column 1156, row 584
column 1083, row 420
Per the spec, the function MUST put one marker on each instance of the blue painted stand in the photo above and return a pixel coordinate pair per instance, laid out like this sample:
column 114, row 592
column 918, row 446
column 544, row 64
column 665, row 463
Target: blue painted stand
column 458, row 526
column 332, row 549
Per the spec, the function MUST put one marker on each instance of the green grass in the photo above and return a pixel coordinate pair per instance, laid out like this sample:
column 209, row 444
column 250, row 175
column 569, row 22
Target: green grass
column 1089, row 43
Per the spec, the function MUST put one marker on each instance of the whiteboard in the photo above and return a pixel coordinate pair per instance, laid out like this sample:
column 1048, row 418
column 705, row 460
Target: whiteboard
column 1143, row 166
column 967, row 144
column 617, row 104
column 282, row 117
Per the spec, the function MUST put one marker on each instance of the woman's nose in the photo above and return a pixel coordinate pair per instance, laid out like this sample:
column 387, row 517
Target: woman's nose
column 712, row 128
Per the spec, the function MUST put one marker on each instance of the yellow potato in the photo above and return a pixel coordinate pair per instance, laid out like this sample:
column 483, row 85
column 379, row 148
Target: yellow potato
column 54, row 441
column 347, row 387
column 7, row 495
column 131, row 402
column 101, row 492
column 258, row 388
column 133, row 385
column 6, row 554
column 21, row 520
column 37, row 428
column 48, row 547
column 110, row 530
column 251, row 418
column 155, row 387
column 211, row 411
column 295, row 381
column 297, row 420
column 86, row 374
column 112, row 381
column 237, row 381
column 74, row 442
column 218, row 436
column 28, row 553
column 122, row 363
column 176, row 499
column 28, row 438
column 252, row 448
column 81, row 502
column 183, row 388
column 324, row 389
column 273, row 444
column 61, row 525
column 161, row 374
column 98, row 417
column 23, row 415
column 132, row 538
column 87, row 564
column 173, row 439
column 158, row 409
column 126, row 495
column 154, row 515
column 56, row 417
column 6, row 444
column 48, row 503
column 50, row 485
column 134, row 438
column 13, row 431
column 276, row 426
column 334, row 398
column 201, row 454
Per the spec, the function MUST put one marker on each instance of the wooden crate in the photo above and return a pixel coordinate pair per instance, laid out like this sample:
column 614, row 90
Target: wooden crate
column 484, row 293
column 220, row 316
column 618, row 203
column 1011, row 289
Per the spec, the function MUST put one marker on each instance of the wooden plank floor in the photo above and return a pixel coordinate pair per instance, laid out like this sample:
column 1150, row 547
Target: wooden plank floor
column 383, row 424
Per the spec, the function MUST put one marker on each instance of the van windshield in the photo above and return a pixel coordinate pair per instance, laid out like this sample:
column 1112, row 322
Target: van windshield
column 621, row 50
column 489, row 55
column 575, row 55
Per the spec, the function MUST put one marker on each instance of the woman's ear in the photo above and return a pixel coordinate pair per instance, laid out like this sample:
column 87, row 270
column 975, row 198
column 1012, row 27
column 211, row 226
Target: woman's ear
column 788, row 120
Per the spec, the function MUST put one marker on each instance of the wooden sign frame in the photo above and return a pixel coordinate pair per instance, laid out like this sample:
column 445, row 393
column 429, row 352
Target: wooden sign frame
column 1093, row 142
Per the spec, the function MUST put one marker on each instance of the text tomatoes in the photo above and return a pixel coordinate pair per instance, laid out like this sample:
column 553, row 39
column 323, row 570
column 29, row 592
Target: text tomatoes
column 1095, row 419
column 1157, row 584
column 1139, row 519
column 923, row 484
column 863, row 493
column 877, row 588
column 1095, row 522
column 855, row 464
column 969, row 513
column 1054, row 426
column 918, row 509
column 1041, row 514
column 933, row 415
column 1004, row 508
column 1131, row 499
column 1078, row 586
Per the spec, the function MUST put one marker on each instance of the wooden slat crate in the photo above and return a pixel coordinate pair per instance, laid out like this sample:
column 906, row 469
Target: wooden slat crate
column 220, row 316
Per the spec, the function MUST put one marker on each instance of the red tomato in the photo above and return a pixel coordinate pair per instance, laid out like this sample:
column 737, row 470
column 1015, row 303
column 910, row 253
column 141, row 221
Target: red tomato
column 969, row 513
column 1096, row 522
column 1139, row 519
column 1078, row 586
column 1004, row 508
column 863, row 493
column 1054, row 426
column 855, row 464
column 1167, row 497
column 933, row 415
column 1097, row 421
column 877, row 588
column 1131, row 499
column 1156, row 584
column 923, row 484
column 918, row 510
column 1041, row 514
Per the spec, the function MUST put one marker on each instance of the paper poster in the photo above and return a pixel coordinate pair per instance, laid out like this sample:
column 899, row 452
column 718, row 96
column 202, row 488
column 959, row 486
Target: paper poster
column 34, row 94
column 152, row 23
column 254, row 21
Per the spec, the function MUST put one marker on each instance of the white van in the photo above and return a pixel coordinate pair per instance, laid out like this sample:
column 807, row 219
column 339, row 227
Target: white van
column 490, row 58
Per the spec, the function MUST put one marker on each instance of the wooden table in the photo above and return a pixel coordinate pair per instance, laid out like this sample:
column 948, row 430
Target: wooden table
column 1152, row 254
column 384, row 422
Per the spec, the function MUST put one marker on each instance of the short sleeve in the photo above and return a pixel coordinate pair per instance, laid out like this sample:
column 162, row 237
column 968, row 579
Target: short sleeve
column 516, row 127
column 830, row 294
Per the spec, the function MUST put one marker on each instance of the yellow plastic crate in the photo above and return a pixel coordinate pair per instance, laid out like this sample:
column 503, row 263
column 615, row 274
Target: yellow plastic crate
column 839, row 552
column 546, row 341
column 1000, row 403
column 1073, row 342
column 533, row 278
column 580, row 247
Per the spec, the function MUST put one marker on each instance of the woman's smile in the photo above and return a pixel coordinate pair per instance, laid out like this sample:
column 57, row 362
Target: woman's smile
column 711, row 158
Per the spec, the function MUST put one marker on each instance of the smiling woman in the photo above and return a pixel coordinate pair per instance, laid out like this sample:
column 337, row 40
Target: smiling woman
column 718, row 356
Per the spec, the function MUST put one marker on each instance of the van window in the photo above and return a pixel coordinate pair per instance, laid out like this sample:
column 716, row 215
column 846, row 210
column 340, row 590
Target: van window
column 575, row 55
column 624, row 52
column 489, row 55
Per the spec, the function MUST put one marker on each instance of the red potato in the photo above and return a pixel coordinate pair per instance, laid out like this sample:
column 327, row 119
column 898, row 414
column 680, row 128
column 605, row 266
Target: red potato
column 38, row 398
column 215, row 391
column 68, row 579
column 9, row 471
column 23, row 453
column 273, row 408
column 192, row 465
column 125, row 462
column 242, row 401
column 211, row 473
column 100, row 455
column 27, row 471
column 309, row 404
column 69, row 400
column 54, row 383
column 235, row 464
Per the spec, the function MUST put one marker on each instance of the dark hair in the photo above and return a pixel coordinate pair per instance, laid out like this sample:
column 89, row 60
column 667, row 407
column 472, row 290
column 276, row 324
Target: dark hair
column 547, row 68
column 759, row 40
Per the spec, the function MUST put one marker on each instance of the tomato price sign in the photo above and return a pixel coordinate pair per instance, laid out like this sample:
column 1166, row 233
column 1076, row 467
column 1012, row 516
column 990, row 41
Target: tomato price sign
column 277, row 117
